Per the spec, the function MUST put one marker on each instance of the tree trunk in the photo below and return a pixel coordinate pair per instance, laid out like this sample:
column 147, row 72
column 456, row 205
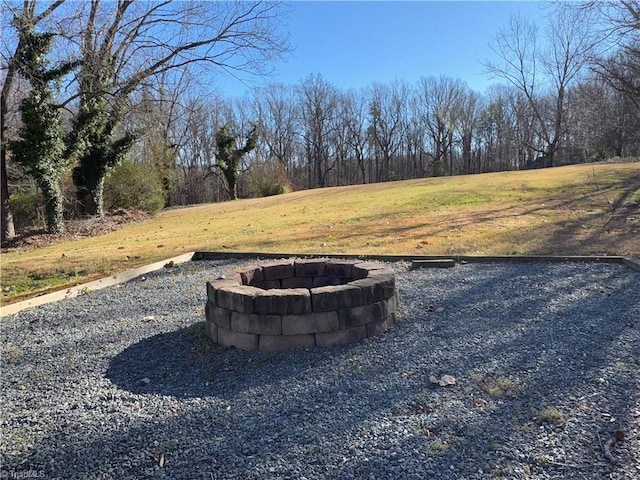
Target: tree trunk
column 89, row 191
column 438, row 167
column 363, row 168
column 232, row 186
column 53, row 209
column 231, row 177
column 8, row 229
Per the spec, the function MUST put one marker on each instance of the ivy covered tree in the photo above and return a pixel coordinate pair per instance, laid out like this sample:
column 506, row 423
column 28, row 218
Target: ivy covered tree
column 128, row 46
column 40, row 147
column 228, row 156
column 26, row 15
column 97, row 149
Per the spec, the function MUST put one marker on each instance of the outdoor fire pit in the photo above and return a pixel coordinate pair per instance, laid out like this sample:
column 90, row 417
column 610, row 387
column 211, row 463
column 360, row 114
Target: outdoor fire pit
column 301, row 303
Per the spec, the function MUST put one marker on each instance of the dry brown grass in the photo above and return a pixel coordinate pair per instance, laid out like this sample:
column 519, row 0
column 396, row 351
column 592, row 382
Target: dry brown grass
column 574, row 210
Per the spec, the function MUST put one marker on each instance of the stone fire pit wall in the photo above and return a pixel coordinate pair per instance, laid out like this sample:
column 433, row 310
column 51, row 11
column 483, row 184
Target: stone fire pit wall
column 301, row 303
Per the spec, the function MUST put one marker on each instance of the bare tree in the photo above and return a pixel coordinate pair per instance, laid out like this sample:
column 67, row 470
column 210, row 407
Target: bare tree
column 438, row 103
column 543, row 71
column 156, row 113
column 516, row 129
column 619, row 32
column 198, row 180
column 276, row 108
column 318, row 101
column 604, row 121
column 128, row 44
column 388, row 124
column 469, row 105
column 355, row 116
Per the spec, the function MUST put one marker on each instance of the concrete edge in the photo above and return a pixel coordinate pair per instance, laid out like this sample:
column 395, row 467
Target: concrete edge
column 72, row 292
column 119, row 278
column 632, row 263
column 198, row 255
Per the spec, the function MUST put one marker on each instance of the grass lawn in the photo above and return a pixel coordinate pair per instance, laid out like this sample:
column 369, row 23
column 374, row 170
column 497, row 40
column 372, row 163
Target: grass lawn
column 574, row 210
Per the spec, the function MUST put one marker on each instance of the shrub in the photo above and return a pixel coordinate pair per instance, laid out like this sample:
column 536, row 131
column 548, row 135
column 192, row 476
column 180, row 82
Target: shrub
column 600, row 155
column 266, row 179
column 134, row 185
column 27, row 209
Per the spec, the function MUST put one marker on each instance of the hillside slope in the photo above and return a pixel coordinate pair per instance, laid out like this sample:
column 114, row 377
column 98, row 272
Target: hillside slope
column 573, row 210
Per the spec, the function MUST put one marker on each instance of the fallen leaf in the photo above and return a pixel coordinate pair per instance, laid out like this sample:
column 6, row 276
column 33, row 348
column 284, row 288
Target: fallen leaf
column 158, row 458
column 480, row 402
column 430, row 431
column 417, row 409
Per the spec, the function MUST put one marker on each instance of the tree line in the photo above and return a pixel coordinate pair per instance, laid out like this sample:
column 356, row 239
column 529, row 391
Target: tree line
column 566, row 93
column 73, row 72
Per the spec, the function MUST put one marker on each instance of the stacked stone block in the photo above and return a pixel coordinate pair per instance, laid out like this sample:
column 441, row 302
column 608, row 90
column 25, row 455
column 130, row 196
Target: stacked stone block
column 301, row 303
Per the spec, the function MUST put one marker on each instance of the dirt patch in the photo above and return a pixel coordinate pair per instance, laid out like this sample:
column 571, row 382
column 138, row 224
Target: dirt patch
column 77, row 228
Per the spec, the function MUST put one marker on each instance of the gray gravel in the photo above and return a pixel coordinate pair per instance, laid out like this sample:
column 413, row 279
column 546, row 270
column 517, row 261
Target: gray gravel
column 122, row 384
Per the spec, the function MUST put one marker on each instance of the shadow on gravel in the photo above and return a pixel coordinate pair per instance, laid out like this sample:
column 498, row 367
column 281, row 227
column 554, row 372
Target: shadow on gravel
column 369, row 410
column 186, row 364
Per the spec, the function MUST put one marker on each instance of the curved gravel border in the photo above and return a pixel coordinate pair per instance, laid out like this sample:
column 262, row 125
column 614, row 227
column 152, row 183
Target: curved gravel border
column 122, row 383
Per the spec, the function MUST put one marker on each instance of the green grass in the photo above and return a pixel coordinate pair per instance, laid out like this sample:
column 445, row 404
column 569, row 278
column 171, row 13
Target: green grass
column 548, row 415
column 574, row 210
column 498, row 387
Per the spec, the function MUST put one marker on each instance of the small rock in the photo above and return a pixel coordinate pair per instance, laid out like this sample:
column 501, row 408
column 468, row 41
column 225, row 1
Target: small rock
column 446, row 380
column 144, row 382
column 443, row 381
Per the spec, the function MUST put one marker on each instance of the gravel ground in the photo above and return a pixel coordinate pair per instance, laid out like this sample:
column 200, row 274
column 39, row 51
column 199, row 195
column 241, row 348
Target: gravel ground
column 122, row 384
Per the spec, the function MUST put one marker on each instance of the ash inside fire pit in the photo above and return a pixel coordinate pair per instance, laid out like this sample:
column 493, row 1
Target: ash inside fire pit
column 301, row 303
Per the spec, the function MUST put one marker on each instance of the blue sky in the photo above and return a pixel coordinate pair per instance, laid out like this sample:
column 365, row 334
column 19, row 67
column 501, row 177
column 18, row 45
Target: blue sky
column 353, row 44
